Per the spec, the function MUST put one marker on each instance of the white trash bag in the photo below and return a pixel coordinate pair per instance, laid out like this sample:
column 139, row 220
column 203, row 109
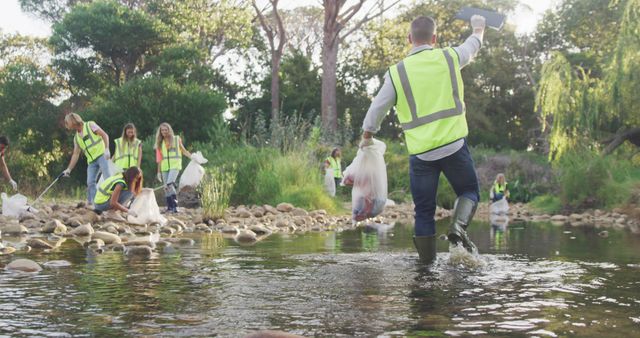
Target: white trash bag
column 500, row 206
column 113, row 169
column 146, row 208
column 194, row 172
column 368, row 176
column 329, row 183
column 14, row 206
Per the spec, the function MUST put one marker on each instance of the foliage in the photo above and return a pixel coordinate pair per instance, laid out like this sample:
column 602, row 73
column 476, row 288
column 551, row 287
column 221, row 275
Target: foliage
column 548, row 204
column 191, row 110
column 216, row 189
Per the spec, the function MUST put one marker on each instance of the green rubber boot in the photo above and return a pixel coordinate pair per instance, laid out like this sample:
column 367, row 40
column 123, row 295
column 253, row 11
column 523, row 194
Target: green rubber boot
column 426, row 246
column 463, row 211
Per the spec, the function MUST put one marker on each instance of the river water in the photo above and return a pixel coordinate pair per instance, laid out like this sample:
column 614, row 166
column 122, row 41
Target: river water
column 532, row 279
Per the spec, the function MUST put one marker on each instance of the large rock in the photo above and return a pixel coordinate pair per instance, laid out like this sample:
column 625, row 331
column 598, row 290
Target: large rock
column 14, row 229
column 54, row 226
column 107, row 237
column 246, row 236
column 83, row 230
column 142, row 251
column 259, row 229
column 299, row 212
column 284, row 207
column 270, row 209
column 37, row 243
column 24, row 265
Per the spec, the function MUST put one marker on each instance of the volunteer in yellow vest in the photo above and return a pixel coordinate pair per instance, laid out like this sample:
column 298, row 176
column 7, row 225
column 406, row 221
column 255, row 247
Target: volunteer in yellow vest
column 115, row 191
column 93, row 142
column 4, row 145
column 499, row 189
column 333, row 163
column 169, row 151
column 128, row 152
column 427, row 90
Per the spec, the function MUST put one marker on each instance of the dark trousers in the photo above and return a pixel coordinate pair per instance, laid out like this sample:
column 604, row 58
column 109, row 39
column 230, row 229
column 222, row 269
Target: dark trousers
column 459, row 170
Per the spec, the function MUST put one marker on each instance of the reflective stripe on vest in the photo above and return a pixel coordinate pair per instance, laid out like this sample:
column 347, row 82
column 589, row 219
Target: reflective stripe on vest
column 336, row 166
column 105, row 189
column 172, row 157
column 91, row 144
column 126, row 155
column 499, row 189
column 430, row 104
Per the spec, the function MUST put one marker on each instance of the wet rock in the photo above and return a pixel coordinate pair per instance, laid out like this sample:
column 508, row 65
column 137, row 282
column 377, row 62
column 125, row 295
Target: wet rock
column 142, row 251
column 83, row 230
column 203, row 228
column 106, row 237
column 228, row 229
column 269, row 209
column 272, row 334
column 299, row 212
column 186, row 241
column 177, row 224
column 6, row 250
column 163, row 244
column 281, row 222
column 246, row 236
column 37, row 243
column 603, row 234
column 26, row 216
column 54, row 227
column 189, row 197
column 169, row 231
column 259, row 229
column 74, row 222
column 13, row 229
column 243, row 213
column 94, row 244
column 258, row 212
column 24, row 265
column 284, row 207
column 115, row 247
column 57, row 264
column 576, row 217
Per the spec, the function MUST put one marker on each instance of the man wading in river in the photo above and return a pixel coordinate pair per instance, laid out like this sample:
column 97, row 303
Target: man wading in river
column 427, row 91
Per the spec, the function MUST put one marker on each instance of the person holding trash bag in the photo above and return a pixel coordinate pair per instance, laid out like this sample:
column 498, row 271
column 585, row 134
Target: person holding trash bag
column 4, row 145
column 427, row 90
column 333, row 163
column 115, row 191
column 128, row 151
column 93, row 142
column 499, row 189
column 169, row 151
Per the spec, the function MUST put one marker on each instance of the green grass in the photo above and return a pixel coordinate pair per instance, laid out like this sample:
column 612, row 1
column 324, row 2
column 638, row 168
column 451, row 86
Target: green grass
column 547, row 204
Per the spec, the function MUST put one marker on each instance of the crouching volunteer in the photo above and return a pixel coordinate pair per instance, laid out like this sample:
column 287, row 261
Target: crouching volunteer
column 499, row 189
column 128, row 152
column 117, row 190
column 94, row 143
column 169, row 151
column 427, row 89
column 4, row 144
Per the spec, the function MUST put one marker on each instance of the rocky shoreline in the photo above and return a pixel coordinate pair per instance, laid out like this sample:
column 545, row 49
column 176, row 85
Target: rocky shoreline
column 47, row 229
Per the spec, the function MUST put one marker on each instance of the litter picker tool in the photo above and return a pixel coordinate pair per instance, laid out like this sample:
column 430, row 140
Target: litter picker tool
column 493, row 19
column 47, row 189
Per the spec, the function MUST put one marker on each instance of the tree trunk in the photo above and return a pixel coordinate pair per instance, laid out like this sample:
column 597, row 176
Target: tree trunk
column 275, row 87
column 631, row 135
column 329, row 82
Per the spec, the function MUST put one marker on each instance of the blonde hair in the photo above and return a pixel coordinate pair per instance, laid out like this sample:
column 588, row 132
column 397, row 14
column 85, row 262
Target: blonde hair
column 499, row 176
column 124, row 132
column 158, row 144
column 73, row 119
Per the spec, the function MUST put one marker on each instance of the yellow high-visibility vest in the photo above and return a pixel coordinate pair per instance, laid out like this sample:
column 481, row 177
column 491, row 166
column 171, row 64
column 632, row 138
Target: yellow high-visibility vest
column 430, row 99
column 91, row 143
column 172, row 157
column 127, row 153
column 336, row 166
column 105, row 189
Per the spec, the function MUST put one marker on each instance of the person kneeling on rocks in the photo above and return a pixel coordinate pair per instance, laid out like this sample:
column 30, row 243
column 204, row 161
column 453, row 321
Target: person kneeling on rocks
column 117, row 190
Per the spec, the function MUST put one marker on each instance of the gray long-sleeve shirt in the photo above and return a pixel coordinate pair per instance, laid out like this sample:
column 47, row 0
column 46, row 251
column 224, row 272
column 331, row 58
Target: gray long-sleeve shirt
column 386, row 97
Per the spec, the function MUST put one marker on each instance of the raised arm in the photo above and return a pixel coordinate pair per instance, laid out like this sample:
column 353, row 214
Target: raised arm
column 470, row 47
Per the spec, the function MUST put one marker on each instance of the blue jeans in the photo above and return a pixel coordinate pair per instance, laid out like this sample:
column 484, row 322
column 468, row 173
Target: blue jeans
column 125, row 195
column 169, row 179
column 101, row 164
column 497, row 196
column 459, row 170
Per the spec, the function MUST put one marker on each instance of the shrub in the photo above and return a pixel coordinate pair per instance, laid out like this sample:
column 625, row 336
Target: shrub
column 216, row 189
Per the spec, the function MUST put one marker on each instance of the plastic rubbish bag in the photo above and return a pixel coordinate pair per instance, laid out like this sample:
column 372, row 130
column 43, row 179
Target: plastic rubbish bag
column 113, row 169
column 500, row 206
column 14, row 206
column 329, row 183
column 368, row 176
column 146, row 209
column 194, row 172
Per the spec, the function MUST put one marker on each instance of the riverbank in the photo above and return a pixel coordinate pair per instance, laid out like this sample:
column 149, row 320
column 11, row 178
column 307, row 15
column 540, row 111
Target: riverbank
column 247, row 225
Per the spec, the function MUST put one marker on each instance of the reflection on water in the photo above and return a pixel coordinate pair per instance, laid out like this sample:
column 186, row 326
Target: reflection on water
column 534, row 279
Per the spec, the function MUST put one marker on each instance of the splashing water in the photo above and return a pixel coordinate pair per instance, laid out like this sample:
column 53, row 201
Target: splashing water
column 460, row 257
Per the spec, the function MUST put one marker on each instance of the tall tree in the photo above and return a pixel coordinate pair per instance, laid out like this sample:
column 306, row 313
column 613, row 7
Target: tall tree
column 277, row 38
column 336, row 29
